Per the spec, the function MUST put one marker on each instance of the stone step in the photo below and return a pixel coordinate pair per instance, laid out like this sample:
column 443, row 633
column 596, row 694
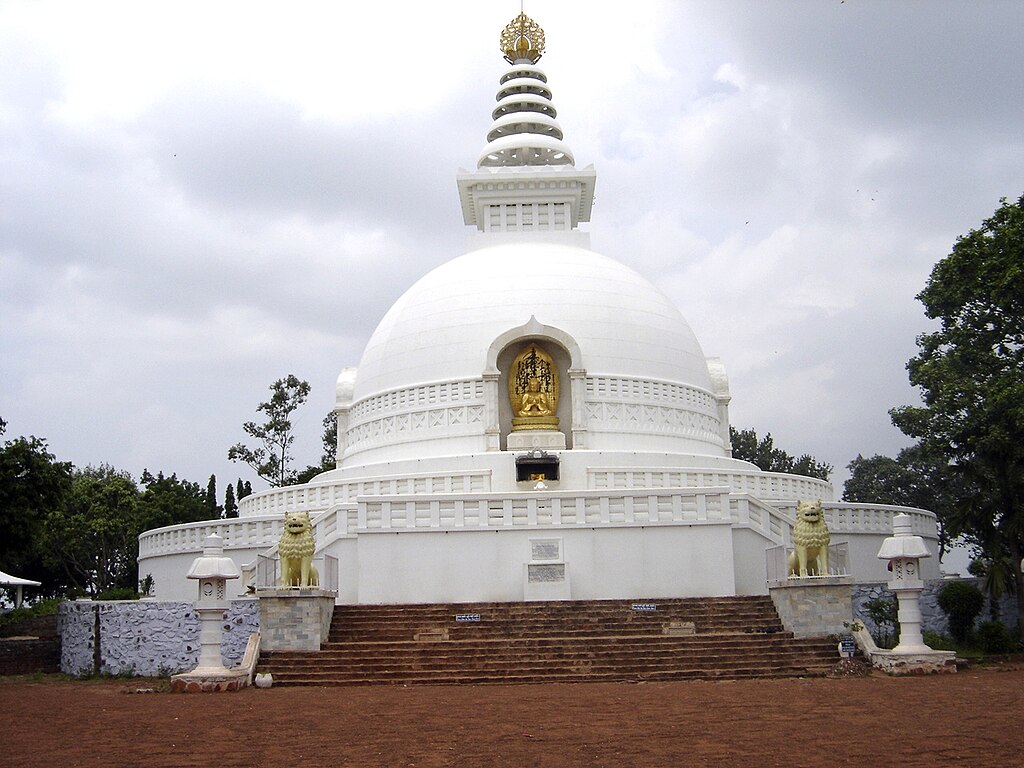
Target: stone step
column 680, row 642
column 574, row 677
column 494, row 665
column 553, row 642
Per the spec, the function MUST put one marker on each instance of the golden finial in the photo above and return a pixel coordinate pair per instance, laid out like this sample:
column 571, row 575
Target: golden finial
column 522, row 39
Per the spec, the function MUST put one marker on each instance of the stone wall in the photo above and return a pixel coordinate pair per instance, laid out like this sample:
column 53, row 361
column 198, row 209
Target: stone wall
column 292, row 620
column 813, row 609
column 145, row 637
column 932, row 617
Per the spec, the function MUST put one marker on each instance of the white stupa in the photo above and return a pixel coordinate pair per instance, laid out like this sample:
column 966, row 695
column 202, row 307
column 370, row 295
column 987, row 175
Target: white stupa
column 534, row 420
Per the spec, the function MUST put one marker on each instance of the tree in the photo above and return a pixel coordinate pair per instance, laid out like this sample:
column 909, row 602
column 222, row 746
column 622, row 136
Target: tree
column 763, row 453
column 32, row 484
column 230, row 505
column 93, row 536
column 328, row 460
column 971, row 376
column 915, row 478
column 213, row 509
column 169, row 501
column 271, row 459
column 330, row 440
column 243, row 489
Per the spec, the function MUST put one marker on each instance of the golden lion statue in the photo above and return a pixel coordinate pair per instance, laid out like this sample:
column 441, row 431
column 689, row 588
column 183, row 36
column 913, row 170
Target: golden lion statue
column 296, row 550
column 810, row 541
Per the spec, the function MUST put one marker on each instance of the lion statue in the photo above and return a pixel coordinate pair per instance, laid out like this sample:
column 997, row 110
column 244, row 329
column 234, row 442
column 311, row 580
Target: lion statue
column 296, row 550
column 810, row 541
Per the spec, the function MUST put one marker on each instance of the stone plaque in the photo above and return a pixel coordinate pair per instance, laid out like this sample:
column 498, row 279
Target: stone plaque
column 545, row 549
column 546, row 573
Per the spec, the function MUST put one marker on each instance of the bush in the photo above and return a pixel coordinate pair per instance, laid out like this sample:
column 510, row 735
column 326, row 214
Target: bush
column 994, row 638
column 938, row 641
column 883, row 614
column 961, row 601
column 18, row 615
column 118, row 593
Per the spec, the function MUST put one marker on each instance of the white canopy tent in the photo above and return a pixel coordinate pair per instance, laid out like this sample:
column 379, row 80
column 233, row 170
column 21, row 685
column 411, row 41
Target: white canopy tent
column 7, row 580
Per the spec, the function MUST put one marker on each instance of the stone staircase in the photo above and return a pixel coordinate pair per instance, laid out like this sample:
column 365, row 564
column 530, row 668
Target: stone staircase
column 543, row 642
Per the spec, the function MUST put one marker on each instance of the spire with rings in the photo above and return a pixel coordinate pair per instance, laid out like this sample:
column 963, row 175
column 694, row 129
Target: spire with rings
column 524, row 132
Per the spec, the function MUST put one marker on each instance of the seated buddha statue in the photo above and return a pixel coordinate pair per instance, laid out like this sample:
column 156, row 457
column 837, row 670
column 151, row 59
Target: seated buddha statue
column 534, row 402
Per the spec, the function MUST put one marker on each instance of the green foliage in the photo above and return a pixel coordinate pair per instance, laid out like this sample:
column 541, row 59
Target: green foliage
column 271, row 459
column 242, row 489
column 330, row 440
column 996, row 574
column 961, row 601
column 93, row 535
column 118, row 593
column 169, row 501
column 971, row 376
column 17, row 615
column 328, row 460
column 994, row 638
column 213, row 509
column 763, row 453
column 230, row 505
column 915, row 478
column 32, row 484
column 938, row 641
column 883, row 614
column 146, row 585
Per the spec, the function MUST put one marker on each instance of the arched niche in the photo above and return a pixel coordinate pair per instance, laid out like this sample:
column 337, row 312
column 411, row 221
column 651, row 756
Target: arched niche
column 567, row 359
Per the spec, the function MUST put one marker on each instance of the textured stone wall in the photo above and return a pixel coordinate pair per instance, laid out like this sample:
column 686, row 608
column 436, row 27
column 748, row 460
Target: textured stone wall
column 294, row 622
column 813, row 610
column 146, row 637
column 932, row 617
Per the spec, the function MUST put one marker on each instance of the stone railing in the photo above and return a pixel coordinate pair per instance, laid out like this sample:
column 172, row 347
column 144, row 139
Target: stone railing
column 777, row 562
column 852, row 517
column 268, row 572
column 317, row 497
column 544, row 508
column 760, row 516
column 764, row 485
column 237, row 533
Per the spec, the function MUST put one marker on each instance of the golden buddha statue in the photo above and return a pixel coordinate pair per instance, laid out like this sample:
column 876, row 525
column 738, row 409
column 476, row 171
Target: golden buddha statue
column 533, row 390
column 534, row 402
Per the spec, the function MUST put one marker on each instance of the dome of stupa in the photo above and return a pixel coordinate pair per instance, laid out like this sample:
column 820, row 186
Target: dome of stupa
column 443, row 326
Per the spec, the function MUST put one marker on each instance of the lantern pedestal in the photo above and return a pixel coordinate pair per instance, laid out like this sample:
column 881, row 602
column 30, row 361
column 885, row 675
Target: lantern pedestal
column 911, row 656
column 212, row 570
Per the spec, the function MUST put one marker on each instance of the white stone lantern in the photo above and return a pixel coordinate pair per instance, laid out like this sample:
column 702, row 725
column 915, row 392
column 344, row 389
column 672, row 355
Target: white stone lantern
column 212, row 569
column 904, row 551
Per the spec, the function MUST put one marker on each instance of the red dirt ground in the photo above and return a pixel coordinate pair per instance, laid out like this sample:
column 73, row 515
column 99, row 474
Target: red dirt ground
column 974, row 718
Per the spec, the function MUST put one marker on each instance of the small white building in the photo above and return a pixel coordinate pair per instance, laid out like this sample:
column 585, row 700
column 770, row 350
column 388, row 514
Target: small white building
column 535, row 420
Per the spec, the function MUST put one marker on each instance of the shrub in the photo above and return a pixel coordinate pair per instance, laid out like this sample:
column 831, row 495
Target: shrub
column 118, row 593
column 961, row 601
column 883, row 614
column 938, row 641
column 994, row 638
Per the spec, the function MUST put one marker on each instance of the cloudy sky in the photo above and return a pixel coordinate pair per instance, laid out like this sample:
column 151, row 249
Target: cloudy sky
column 199, row 198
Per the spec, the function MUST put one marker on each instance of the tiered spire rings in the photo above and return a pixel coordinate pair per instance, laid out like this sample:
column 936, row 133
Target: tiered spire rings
column 524, row 131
